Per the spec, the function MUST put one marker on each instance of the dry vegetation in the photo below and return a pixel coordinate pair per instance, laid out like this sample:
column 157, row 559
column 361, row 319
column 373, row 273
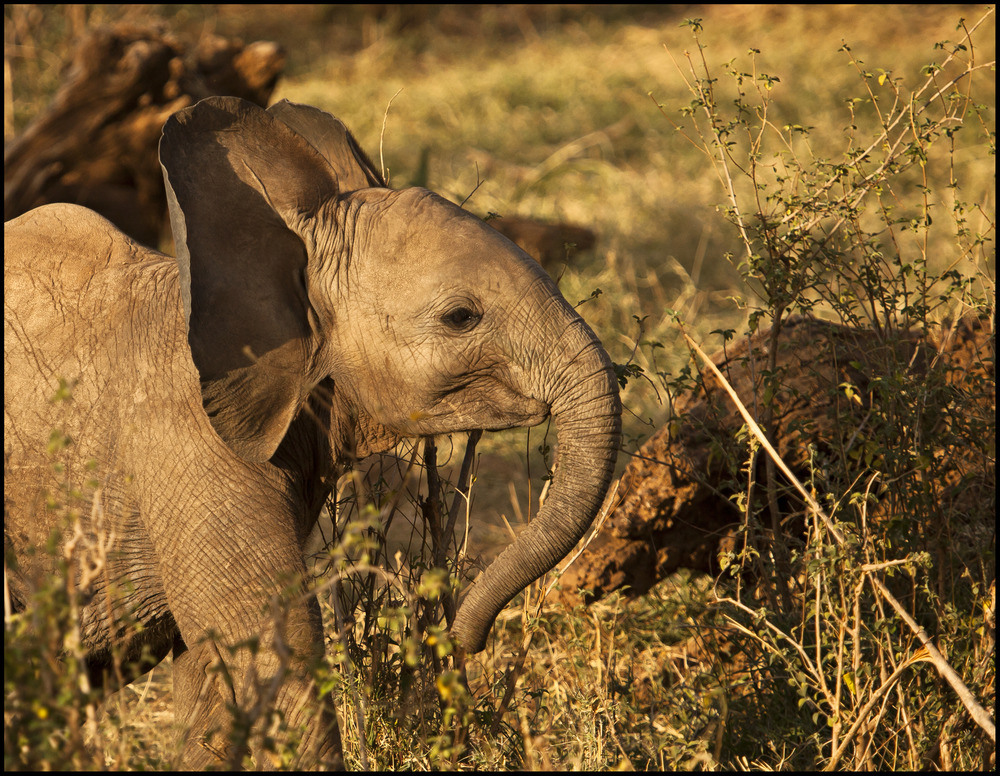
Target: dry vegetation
column 720, row 163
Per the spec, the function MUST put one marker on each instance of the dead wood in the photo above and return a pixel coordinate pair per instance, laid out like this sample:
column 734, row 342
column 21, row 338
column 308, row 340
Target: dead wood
column 96, row 143
column 550, row 244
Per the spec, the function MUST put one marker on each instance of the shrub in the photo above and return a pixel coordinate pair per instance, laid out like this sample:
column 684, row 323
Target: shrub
column 898, row 536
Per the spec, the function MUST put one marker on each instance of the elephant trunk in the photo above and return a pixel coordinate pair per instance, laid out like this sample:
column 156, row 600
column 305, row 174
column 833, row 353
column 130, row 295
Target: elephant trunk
column 587, row 414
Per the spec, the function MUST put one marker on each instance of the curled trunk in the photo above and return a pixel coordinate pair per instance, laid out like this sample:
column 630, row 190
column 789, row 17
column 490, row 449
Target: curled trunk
column 587, row 414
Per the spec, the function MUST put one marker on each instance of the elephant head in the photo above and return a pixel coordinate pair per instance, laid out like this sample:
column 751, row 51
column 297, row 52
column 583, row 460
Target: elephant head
column 301, row 270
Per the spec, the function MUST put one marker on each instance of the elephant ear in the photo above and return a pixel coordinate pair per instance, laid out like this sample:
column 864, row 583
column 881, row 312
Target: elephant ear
column 328, row 135
column 240, row 186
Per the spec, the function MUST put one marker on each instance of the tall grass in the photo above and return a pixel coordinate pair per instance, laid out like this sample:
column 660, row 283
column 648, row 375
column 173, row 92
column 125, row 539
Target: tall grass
column 759, row 162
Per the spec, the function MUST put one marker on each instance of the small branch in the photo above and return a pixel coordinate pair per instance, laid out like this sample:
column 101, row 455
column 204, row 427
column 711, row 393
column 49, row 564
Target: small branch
column 479, row 182
column 381, row 136
column 920, row 656
column 464, row 479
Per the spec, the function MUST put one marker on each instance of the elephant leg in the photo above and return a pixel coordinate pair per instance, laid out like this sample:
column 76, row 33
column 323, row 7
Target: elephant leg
column 244, row 682
column 215, row 736
column 201, row 698
column 229, row 702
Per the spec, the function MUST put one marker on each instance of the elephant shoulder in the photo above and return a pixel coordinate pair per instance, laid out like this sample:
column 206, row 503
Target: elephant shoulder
column 85, row 305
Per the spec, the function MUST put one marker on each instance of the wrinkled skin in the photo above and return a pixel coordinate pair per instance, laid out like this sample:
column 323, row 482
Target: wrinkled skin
column 312, row 317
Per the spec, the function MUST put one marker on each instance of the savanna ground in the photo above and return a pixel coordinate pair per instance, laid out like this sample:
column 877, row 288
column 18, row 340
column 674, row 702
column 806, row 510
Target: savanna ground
column 739, row 164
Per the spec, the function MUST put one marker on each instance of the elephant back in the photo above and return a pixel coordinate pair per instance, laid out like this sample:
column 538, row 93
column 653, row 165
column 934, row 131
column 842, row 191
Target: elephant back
column 94, row 349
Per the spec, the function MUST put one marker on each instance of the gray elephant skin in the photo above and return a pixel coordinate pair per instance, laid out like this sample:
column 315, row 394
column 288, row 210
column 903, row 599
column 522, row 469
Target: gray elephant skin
column 312, row 316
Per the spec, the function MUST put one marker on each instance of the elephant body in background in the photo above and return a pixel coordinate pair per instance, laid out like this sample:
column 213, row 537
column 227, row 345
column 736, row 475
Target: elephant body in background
column 169, row 488
column 311, row 317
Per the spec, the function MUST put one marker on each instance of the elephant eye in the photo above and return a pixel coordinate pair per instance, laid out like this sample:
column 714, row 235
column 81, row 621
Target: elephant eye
column 461, row 318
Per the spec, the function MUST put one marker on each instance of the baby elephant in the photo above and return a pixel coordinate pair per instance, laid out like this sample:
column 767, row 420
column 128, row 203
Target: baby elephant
column 312, row 316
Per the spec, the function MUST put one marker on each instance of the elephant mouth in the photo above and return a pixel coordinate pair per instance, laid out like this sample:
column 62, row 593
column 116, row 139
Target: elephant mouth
column 494, row 407
column 516, row 421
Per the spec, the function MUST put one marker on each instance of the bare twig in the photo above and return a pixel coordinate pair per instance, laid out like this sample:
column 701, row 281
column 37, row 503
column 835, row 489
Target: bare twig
column 919, row 657
column 464, row 480
column 381, row 136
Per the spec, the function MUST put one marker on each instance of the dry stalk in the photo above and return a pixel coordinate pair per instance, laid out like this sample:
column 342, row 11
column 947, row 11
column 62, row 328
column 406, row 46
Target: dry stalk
column 920, row 656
